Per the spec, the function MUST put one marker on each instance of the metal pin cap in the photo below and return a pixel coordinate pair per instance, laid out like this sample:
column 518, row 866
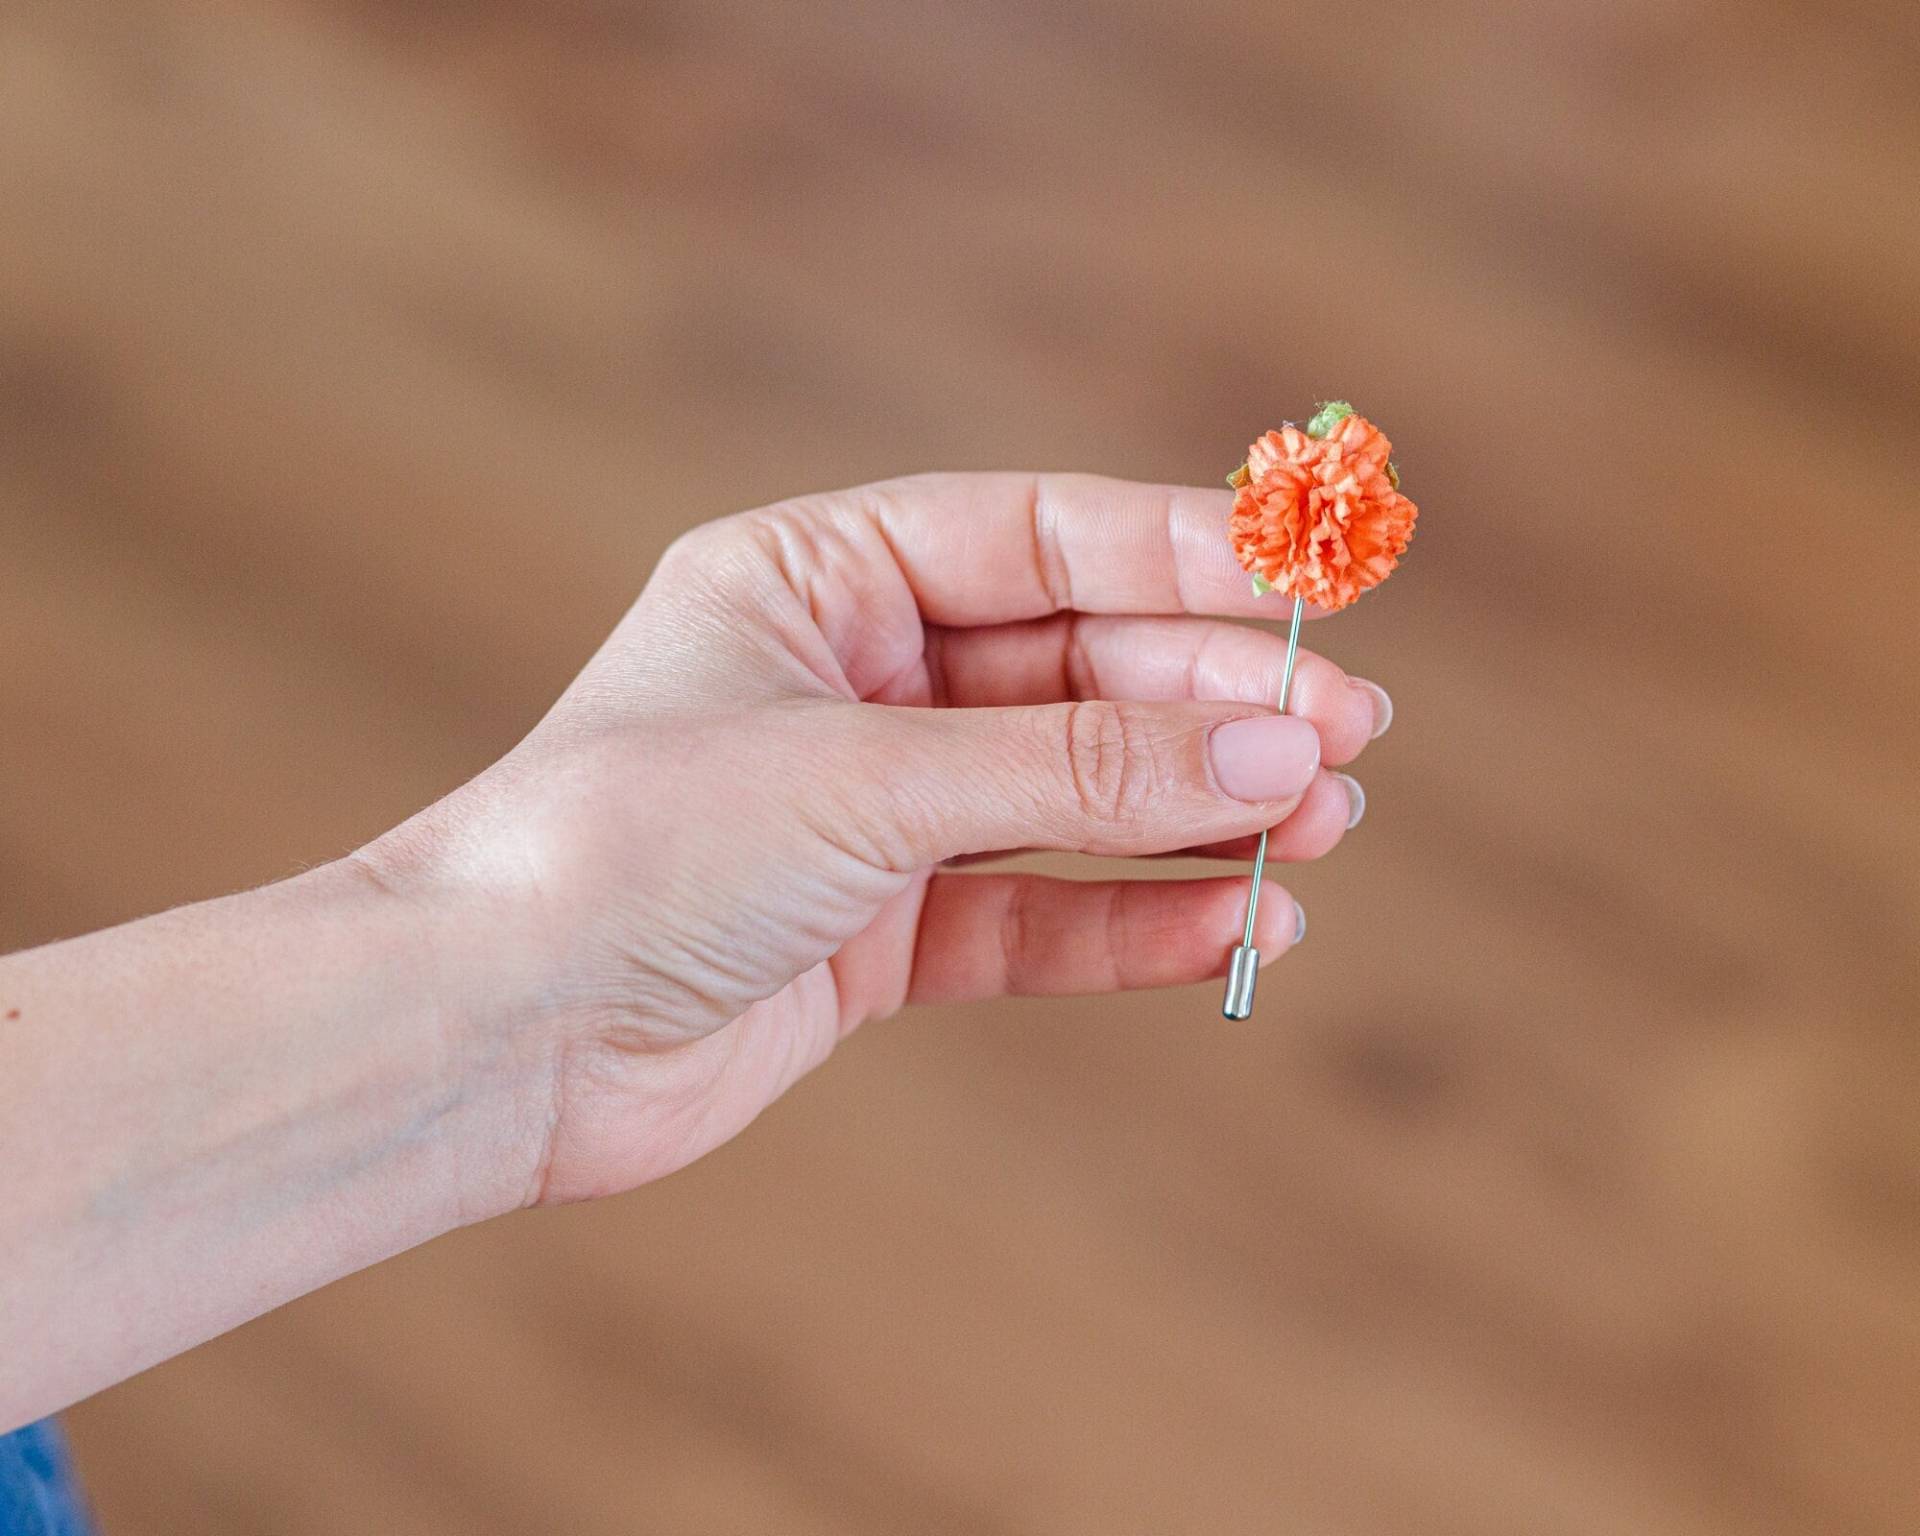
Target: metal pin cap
column 1242, row 972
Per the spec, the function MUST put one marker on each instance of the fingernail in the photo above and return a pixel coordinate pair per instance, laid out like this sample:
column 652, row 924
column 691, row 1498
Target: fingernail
column 1356, row 799
column 1269, row 757
column 1299, row 922
column 1382, row 706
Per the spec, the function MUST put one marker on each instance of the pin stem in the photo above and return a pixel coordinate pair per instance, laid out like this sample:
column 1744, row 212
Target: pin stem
column 1240, row 988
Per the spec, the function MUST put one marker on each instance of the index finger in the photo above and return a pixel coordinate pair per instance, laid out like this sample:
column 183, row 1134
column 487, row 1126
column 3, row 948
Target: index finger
column 997, row 548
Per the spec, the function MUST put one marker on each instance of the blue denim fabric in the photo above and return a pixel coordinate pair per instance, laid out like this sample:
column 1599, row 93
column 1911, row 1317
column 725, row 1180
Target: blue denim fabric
column 38, row 1496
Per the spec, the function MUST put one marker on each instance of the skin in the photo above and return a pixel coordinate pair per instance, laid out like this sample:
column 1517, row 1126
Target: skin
column 737, row 836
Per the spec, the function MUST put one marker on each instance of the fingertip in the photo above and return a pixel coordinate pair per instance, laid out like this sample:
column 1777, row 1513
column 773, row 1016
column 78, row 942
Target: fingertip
column 1281, row 923
column 1381, row 702
column 1356, row 798
column 1317, row 826
column 1343, row 715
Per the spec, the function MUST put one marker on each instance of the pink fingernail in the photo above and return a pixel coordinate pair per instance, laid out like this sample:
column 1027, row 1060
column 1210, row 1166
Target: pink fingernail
column 1356, row 798
column 1270, row 757
column 1382, row 702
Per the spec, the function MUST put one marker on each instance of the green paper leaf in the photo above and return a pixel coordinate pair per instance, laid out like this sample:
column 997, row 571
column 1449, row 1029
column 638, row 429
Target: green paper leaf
column 1329, row 416
column 1261, row 586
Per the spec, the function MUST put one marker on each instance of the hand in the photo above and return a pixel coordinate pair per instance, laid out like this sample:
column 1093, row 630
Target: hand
column 723, row 849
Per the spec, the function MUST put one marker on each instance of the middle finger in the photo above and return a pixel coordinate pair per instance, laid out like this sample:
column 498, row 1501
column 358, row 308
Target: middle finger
column 1073, row 656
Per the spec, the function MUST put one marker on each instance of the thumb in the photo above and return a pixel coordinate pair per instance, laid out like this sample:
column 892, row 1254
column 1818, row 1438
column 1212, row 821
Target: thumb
column 1091, row 777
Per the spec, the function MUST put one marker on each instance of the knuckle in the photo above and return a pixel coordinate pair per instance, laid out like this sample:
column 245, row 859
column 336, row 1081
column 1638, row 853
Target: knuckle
column 765, row 561
column 718, row 557
column 1079, row 673
column 1110, row 760
column 1015, row 939
column 704, row 543
column 803, row 547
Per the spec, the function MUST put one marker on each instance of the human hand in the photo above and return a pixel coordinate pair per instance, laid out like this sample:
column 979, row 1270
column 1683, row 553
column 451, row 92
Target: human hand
column 729, row 843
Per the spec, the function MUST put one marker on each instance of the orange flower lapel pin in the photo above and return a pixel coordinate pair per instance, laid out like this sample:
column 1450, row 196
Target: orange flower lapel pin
column 1317, row 517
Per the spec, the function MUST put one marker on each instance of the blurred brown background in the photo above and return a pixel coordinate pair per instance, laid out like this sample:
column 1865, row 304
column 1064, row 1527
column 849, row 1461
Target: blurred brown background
column 357, row 360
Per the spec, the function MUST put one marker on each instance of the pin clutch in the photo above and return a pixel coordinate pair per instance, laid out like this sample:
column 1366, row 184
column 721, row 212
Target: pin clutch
column 1318, row 517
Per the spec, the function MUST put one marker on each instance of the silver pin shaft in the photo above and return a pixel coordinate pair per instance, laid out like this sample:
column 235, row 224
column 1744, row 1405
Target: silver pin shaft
column 1243, row 970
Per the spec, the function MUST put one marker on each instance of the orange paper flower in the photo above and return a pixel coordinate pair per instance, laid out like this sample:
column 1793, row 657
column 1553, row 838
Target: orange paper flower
column 1320, row 517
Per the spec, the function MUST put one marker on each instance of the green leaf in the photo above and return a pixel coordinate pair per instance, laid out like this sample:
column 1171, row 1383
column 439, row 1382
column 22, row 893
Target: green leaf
column 1261, row 586
column 1329, row 416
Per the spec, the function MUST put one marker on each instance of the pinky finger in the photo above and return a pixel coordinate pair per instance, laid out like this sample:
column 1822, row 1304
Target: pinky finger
column 1031, row 936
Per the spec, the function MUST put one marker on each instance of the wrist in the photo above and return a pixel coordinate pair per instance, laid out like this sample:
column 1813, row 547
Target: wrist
column 469, row 932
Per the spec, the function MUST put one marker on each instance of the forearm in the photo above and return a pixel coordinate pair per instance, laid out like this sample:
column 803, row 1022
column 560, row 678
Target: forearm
column 209, row 1112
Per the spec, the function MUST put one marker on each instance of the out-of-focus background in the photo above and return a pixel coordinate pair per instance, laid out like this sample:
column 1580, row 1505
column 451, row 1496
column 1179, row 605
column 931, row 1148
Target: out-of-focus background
column 358, row 359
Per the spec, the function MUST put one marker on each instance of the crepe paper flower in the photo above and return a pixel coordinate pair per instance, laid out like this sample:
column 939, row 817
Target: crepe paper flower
column 1318, row 513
